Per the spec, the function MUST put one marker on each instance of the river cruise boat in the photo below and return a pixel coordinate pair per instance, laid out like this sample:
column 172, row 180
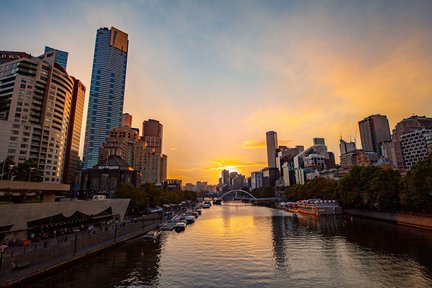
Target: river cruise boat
column 315, row 207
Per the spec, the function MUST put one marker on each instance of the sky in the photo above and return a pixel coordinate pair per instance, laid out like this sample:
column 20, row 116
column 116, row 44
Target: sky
column 219, row 74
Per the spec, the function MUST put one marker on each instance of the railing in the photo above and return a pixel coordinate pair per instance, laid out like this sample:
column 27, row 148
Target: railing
column 52, row 251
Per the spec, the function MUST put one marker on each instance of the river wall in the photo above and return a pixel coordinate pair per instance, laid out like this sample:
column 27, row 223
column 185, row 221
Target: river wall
column 54, row 253
column 420, row 221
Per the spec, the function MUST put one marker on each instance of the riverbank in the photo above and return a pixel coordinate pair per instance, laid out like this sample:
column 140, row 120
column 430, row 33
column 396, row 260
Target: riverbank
column 419, row 221
column 20, row 266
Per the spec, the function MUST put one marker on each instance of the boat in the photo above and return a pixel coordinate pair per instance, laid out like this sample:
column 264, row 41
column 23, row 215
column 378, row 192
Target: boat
column 198, row 210
column 180, row 226
column 217, row 202
column 195, row 214
column 152, row 235
column 206, row 205
column 318, row 207
column 190, row 219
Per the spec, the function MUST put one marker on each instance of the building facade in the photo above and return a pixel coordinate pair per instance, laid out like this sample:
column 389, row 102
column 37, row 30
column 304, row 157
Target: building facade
column 272, row 144
column 405, row 126
column 126, row 120
column 415, row 146
column 61, row 57
column 107, row 90
column 36, row 102
column 374, row 130
column 72, row 167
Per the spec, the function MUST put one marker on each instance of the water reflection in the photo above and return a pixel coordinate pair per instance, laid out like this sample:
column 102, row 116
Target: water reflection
column 248, row 246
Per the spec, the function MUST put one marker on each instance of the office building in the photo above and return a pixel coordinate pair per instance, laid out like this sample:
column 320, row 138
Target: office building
column 107, row 90
column 36, row 103
column 153, row 133
column 71, row 166
column 126, row 120
column 374, row 130
column 405, row 126
column 312, row 161
column 415, row 146
column 318, row 141
column 272, row 144
column 61, row 57
column 225, row 178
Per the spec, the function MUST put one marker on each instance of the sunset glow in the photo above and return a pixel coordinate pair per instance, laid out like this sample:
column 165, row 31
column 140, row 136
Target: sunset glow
column 218, row 75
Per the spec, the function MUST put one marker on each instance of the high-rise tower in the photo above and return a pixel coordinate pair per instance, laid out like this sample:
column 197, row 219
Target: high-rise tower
column 107, row 89
column 39, row 113
column 152, row 133
column 374, row 130
column 61, row 57
column 272, row 144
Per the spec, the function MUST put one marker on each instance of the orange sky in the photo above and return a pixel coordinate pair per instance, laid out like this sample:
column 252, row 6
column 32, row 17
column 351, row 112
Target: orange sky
column 218, row 75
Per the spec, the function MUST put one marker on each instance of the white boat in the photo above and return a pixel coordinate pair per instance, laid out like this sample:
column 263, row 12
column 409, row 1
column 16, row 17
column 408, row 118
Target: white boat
column 180, row 226
column 206, row 205
column 190, row 219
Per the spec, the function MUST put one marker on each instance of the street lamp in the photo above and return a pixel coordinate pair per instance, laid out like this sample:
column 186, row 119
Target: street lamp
column 3, row 166
column 30, row 171
column 10, row 171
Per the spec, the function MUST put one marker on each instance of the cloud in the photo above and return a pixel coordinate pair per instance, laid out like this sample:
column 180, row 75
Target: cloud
column 253, row 144
column 260, row 144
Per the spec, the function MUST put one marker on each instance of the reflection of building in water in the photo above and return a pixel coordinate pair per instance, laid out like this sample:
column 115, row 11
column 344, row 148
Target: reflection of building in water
column 278, row 233
column 326, row 225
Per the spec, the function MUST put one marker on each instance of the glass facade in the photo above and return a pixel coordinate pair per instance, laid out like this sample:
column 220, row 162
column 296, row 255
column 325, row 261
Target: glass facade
column 61, row 57
column 107, row 89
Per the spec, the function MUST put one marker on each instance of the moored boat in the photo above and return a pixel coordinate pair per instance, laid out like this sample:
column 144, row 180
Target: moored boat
column 190, row 219
column 180, row 226
column 152, row 235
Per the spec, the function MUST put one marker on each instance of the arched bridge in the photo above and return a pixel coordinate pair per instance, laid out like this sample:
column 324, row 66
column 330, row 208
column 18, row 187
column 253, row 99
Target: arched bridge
column 236, row 192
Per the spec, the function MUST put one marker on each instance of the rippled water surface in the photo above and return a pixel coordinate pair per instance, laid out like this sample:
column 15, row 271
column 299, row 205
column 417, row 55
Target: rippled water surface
column 246, row 246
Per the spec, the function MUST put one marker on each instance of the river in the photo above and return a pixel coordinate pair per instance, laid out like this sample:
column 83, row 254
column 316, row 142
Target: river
column 237, row 245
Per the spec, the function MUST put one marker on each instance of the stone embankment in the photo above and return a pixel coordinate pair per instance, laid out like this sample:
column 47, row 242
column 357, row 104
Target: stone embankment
column 414, row 220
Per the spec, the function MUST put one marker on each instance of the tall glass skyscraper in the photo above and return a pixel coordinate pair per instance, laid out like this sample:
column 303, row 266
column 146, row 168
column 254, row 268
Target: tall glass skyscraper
column 61, row 57
column 107, row 88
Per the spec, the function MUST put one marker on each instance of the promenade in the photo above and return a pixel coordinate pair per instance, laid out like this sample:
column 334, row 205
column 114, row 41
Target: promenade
column 19, row 264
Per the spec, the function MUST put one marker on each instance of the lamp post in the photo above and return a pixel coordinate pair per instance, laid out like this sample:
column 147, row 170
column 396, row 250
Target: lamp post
column 30, row 171
column 3, row 166
column 10, row 172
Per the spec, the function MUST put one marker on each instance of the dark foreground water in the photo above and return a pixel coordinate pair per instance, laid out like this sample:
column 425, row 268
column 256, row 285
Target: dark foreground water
column 248, row 246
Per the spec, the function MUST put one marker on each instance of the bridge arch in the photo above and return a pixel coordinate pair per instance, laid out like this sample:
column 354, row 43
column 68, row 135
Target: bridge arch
column 236, row 191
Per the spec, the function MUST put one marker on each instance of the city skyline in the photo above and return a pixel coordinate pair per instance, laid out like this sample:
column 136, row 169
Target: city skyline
column 219, row 75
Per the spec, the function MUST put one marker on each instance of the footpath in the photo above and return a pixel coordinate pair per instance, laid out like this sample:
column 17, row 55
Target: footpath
column 21, row 268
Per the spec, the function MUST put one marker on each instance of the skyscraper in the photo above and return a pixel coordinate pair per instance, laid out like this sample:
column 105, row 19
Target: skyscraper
column 127, row 120
column 152, row 133
column 35, row 112
column 272, row 143
column 374, row 130
column 71, row 166
column 107, row 89
column 61, row 57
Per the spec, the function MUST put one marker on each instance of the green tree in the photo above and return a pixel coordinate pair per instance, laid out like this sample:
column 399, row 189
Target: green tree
column 416, row 194
column 28, row 170
column 139, row 201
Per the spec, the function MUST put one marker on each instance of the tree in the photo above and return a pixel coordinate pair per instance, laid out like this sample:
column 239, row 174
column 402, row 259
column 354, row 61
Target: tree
column 8, row 168
column 28, row 171
column 416, row 194
column 138, row 204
